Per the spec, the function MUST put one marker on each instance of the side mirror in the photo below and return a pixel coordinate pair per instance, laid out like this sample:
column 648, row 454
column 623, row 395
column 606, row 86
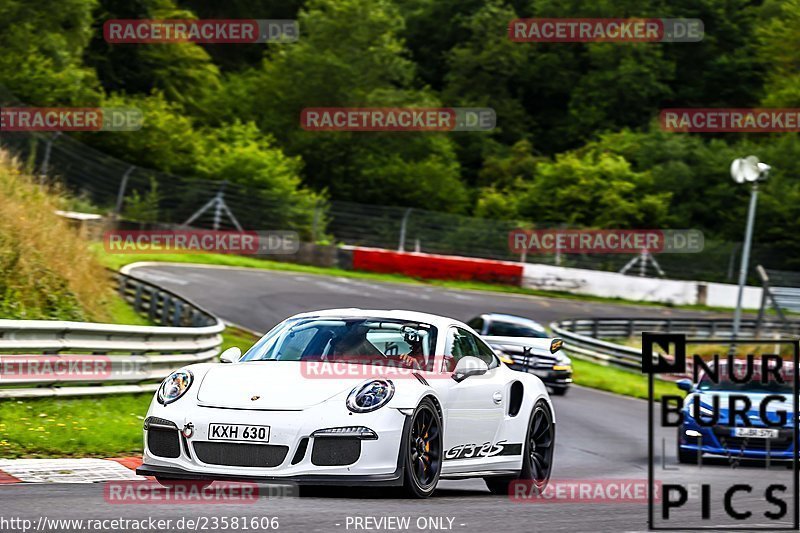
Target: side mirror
column 231, row 355
column 685, row 384
column 469, row 366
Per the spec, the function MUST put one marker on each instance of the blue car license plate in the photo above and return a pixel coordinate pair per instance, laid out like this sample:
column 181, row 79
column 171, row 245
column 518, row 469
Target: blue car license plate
column 755, row 433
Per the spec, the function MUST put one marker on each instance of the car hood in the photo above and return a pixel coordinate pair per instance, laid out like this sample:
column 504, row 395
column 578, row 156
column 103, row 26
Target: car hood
column 275, row 385
column 538, row 349
column 536, row 344
column 706, row 398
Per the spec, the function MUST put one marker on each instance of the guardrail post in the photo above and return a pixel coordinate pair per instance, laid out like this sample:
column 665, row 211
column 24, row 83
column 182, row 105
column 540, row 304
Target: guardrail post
column 153, row 304
column 137, row 299
column 167, row 299
column 177, row 313
column 123, row 285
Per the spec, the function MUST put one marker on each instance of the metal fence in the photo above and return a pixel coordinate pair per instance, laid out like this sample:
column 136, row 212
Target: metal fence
column 147, row 195
column 592, row 338
column 120, row 359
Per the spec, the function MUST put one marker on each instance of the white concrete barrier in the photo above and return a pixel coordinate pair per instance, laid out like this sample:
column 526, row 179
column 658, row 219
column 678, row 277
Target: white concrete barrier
column 615, row 285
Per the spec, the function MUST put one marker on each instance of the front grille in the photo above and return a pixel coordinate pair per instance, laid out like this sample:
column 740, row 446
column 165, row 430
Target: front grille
column 735, row 444
column 335, row 451
column 163, row 442
column 230, row 454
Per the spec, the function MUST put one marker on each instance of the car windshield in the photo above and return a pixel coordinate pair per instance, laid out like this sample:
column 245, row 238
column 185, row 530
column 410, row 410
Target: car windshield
column 753, row 386
column 511, row 329
column 370, row 341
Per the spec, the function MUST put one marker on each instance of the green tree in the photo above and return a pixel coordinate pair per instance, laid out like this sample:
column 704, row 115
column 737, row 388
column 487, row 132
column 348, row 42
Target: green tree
column 779, row 49
column 43, row 44
column 183, row 72
column 143, row 207
column 350, row 56
column 592, row 188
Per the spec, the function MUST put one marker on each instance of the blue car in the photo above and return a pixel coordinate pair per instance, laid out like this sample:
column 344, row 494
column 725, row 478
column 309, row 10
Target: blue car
column 735, row 441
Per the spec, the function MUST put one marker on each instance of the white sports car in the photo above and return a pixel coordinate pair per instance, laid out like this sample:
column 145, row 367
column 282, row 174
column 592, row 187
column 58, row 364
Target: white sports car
column 354, row 397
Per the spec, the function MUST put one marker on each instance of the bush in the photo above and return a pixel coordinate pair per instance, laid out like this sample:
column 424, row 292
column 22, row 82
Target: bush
column 46, row 269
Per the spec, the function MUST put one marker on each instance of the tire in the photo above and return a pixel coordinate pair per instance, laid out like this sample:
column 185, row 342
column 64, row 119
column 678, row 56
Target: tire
column 197, row 484
column 561, row 391
column 537, row 456
column 423, row 451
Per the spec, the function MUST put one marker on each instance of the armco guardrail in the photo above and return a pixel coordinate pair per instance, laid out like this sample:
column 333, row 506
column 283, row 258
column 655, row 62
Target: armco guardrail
column 123, row 359
column 584, row 338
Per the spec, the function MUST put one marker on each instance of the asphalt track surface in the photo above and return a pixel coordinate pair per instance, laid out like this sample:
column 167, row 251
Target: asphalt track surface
column 599, row 437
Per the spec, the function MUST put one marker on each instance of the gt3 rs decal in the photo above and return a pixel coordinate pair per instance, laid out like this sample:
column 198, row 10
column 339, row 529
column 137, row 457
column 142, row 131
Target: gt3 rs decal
column 477, row 451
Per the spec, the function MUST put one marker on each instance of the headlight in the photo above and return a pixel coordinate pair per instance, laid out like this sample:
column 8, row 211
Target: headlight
column 370, row 396
column 506, row 359
column 703, row 409
column 562, row 362
column 175, row 386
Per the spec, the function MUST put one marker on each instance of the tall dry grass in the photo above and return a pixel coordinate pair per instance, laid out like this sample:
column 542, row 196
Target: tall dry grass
column 46, row 268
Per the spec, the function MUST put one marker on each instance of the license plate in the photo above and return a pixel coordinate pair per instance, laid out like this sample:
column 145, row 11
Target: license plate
column 755, row 433
column 238, row 432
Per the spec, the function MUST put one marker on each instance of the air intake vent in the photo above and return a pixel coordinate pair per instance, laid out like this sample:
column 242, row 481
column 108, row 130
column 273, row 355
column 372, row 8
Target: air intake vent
column 250, row 455
column 335, row 451
column 301, row 451
column 163, row 442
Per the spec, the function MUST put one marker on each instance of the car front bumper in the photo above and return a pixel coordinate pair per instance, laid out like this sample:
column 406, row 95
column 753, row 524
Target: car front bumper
column 716, row 440
column 376, row 461
column 557, row 379
column 351, row 480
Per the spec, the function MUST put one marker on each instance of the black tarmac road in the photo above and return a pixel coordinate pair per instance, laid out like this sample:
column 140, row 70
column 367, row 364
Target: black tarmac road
column 600, row 436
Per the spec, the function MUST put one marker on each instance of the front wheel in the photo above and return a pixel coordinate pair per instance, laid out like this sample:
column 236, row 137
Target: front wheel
column 537, row 459
column 686, row 456
column 423, row 451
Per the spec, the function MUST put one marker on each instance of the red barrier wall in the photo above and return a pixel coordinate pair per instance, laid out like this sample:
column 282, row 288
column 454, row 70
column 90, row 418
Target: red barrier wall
column 436, row 266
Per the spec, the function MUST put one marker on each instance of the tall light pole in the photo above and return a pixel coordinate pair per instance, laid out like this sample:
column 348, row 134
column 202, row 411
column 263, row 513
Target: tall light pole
column 747, row 170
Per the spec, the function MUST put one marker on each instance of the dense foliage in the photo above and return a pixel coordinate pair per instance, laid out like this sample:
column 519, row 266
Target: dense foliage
column 577, row 140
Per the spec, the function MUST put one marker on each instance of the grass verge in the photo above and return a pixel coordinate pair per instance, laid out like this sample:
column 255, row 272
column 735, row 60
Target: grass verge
column 76, row 427
column 588, row 374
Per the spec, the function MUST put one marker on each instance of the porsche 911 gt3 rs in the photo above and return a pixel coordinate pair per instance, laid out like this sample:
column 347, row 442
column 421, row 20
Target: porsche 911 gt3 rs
column 354, row 397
